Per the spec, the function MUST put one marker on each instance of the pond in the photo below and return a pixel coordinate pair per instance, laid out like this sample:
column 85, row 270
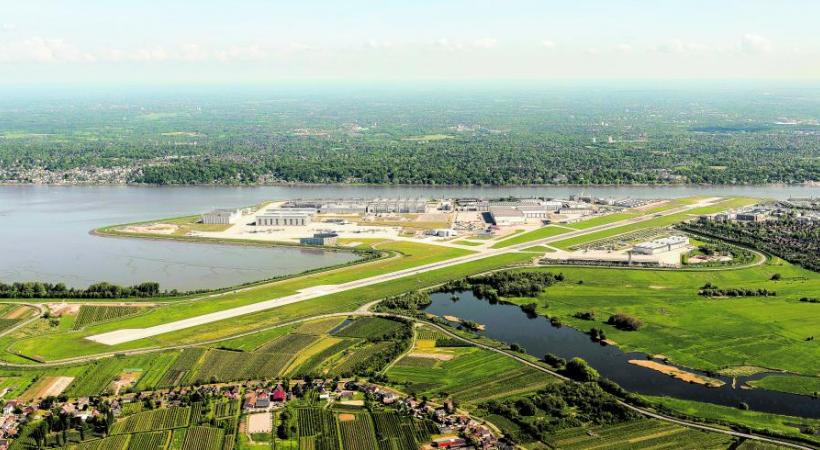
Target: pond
column 508, row 323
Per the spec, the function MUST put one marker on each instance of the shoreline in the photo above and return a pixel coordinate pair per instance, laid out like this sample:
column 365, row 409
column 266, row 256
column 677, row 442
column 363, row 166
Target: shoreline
column 808, row 184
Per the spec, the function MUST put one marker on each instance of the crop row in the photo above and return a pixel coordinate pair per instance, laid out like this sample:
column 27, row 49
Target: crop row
column 370, row 328
column 226, row 408
column 222, row 365
column 352, row 362
column 357, row 434
column 109, row 443
column 204, row 438
column 149, row 440
column 289, row 343
column 91, row 314
column 312, row 364
column 158, row 419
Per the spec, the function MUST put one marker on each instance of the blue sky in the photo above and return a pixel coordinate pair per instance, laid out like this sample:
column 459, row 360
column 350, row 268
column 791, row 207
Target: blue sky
column 72, row 41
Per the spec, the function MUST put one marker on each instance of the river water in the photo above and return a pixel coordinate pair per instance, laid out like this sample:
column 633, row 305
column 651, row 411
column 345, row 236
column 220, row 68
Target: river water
column 508, row 323
column 44, row 229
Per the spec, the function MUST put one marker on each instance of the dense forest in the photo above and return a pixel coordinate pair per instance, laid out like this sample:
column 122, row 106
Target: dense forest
column 478, row 136
column 789, row 238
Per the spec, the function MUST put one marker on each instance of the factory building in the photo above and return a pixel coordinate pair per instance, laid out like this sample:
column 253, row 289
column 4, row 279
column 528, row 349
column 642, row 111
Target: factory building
column 221, row 217
column 504, row 215
column 361, row 206
column 326, row 239
column 397, row 206
column 661, row 245
column 285, row 217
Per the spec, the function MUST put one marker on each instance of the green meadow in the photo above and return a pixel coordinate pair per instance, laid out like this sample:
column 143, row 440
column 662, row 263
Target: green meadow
column 694, row 331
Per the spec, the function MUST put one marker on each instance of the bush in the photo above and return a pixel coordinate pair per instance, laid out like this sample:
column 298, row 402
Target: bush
column 579, row 370
column 625, row 322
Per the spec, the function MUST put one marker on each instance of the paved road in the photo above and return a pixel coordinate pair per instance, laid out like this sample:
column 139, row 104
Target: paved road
column 133, row 334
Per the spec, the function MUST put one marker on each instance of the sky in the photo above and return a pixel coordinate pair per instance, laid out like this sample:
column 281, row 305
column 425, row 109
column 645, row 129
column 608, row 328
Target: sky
column 253, row 41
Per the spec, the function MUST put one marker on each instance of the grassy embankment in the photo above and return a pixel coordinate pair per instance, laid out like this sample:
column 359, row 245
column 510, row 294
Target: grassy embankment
column 784, row 425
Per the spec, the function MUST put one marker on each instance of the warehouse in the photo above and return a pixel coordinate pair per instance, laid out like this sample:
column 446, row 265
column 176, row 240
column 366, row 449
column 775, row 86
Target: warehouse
column 325, row 239
column 285, row 217
column 221, row 217
column 666, row 244
column 503, row 215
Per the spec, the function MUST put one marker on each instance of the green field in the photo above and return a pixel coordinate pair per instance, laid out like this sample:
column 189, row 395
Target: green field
column 472, row 375
column 638, row 434
column 91, row 314
column 805, row 385
column 784, row 425
column 694, row 331
column 540, row 233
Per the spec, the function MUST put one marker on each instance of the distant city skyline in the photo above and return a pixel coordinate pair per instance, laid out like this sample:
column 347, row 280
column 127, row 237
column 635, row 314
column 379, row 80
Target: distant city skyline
column 173, row 41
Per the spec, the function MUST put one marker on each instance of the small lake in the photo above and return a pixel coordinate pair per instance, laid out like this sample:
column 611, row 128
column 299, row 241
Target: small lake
column 508, row 323
column 45, row 228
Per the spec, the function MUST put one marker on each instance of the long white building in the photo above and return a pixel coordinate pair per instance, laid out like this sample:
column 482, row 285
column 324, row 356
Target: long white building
column 221, row 217
column 661, row 245
column 292, row 217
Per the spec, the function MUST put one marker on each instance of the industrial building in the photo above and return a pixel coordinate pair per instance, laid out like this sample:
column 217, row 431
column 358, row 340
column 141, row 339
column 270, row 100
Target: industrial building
column 221, row 217
column 504, row 215
column 325, row 239
column 285, row 217
column 398, row 206
column 361, row 206
column 661, row 245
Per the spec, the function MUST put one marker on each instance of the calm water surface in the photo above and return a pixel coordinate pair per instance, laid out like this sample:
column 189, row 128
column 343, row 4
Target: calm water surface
column 508, row 323
column 44, row 229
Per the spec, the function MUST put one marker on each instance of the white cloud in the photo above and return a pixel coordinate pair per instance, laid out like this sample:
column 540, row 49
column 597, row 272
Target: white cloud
column 376, row 44
column 42, row 50
column 755, row 44
column 548, row 44
column 448, row 45
column 486, row 43
column 677, row 46
column 623, row 48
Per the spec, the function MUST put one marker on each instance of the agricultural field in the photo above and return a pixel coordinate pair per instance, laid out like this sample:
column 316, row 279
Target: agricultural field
column 372, row 328
column 92, row 314
column 471, row 375
column 638, row 434
column 158, row 419
column 399, row 432
column 317, row 429
column 692, row 330
column 204, row 438
column 356, row 431
column 11, row 314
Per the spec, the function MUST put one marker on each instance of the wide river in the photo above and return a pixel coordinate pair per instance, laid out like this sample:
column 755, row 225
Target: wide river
column 44, row 229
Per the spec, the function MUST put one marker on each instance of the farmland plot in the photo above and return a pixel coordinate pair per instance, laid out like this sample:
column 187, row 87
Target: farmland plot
column 92, row 314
